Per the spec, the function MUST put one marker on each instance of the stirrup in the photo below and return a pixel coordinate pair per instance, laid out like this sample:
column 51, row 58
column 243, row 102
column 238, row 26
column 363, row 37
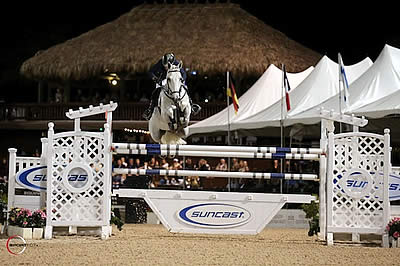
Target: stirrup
column 196, row 109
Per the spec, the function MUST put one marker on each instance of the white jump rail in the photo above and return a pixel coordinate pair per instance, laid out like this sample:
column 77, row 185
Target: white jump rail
column 252, row 175
column 254, row 155
column 214, row 148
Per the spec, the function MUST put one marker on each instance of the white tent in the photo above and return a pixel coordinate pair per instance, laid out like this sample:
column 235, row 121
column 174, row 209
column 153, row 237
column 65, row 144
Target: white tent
column 266, row 91
column 319, row 86
column 385, row 106
column 383, row 94
column 373, row 94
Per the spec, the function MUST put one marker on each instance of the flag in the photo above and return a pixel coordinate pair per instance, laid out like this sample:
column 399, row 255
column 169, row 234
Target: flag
column 287, row 88
column 343, row 78
column 231, row 92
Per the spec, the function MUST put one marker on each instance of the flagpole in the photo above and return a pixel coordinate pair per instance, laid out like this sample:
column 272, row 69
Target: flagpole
column 282, row 129
column 229, row 127
column 282, row 94
column 340, row 93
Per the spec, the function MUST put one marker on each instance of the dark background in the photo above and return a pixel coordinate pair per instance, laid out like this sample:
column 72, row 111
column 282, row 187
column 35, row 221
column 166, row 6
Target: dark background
column 328, row 28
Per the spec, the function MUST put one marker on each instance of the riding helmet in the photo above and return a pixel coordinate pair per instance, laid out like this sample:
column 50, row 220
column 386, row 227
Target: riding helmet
column 168, row 58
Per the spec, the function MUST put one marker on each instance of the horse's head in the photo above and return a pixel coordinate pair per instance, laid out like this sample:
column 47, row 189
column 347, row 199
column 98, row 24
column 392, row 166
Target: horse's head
column 175, row 81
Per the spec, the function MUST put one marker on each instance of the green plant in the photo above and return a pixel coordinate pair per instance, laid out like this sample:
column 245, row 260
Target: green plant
column 39, row 218
column 312, row 213
column 393, row 228
column 25, row 218
column 3, row 202
column 116, row 220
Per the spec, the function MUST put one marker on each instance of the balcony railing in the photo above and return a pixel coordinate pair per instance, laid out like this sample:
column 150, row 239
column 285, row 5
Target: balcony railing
column 125, row 111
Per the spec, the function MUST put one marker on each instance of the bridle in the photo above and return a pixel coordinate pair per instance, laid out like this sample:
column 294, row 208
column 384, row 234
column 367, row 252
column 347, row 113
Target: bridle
column 170, row 94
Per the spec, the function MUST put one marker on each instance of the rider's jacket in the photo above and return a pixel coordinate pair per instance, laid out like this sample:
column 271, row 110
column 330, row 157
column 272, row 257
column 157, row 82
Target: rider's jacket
column 158, row 73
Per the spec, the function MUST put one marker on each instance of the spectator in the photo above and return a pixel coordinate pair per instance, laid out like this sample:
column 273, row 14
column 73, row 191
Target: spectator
column 243, row 167
column 193, row 182
column 221, row 166
column 203, row 165
column 117, row 179
column 275, row 167
column 124, row 164
column 164, row 164
column 275, row 183
column 146, row 166
column 147, row 179
column 119, row 164
column 235, row 165
column 162, row 181
column 189, row 164
column 123, row 179
column 174, row 182
column 138, row 164
column 131, row 163
column 176, row 165
column 154, row 163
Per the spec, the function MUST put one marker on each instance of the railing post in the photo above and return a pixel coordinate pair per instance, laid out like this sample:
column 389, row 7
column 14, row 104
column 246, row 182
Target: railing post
column 11, row 179
column 387, row 166
column 48, row 234
column 43, row 161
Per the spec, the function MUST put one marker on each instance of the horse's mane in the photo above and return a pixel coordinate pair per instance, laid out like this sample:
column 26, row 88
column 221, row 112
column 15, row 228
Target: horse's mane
column 173, row 67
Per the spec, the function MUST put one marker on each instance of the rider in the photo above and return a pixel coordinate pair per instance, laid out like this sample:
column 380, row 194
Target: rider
column 158, row 73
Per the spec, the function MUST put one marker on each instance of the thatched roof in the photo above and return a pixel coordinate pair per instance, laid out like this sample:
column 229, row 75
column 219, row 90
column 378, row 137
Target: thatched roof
column 209, row 38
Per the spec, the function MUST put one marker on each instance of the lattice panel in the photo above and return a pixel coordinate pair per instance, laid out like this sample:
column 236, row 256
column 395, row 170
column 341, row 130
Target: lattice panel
column 358, row 152
column 86, row 206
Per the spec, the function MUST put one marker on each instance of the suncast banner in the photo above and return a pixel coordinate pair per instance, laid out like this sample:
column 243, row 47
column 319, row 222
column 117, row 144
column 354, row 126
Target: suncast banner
column 214, row 215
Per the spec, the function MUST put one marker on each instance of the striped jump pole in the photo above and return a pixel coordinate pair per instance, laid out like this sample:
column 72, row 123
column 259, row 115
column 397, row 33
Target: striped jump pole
column 136, row 146
column 256, row 155
column 216, row 174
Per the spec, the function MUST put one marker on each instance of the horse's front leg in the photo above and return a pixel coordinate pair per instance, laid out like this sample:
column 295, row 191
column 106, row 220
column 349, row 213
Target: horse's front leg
column 168, row 114
column 185, row 118
column 172, row 118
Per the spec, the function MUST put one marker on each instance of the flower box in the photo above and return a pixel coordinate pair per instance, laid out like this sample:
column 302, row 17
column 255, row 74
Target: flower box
column 394, row 243
column 37, row 233
column 26, row 233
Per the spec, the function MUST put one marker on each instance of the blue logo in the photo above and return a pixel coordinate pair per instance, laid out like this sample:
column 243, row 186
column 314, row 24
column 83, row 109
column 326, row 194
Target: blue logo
column 214, row 215
column 77, row 178
column 33, row 178
column 354, row 184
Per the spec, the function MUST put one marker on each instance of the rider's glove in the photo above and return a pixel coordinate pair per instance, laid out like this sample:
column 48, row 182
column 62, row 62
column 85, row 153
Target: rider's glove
column 156, row 80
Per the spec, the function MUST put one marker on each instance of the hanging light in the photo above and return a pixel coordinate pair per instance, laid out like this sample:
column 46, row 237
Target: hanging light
column 112, row 78
column 114, row 82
